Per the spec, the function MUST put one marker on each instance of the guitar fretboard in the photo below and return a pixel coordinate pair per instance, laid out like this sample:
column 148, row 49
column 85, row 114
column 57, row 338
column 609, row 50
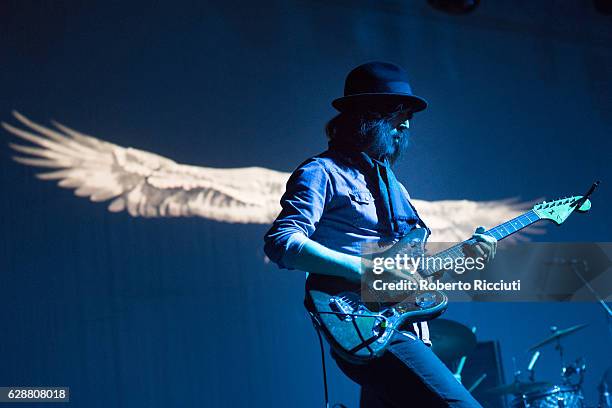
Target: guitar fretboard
column 499, row 232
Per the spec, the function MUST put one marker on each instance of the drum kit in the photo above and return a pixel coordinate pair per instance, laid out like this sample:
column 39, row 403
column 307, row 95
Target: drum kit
column 452, row 341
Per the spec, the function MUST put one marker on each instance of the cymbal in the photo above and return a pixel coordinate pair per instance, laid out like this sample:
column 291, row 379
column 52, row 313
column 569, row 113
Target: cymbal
column 518, row 388
column 557, row 334
column 450, row 340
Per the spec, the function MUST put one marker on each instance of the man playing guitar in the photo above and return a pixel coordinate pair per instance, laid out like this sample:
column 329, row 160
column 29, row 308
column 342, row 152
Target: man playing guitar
column 348, row 196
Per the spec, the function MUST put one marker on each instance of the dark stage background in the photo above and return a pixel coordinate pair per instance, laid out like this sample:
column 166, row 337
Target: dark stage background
column 184, row 312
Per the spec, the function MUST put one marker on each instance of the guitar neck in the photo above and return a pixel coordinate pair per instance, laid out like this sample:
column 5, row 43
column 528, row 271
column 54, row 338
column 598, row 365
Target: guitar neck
column 516, row 224
column 499, row 232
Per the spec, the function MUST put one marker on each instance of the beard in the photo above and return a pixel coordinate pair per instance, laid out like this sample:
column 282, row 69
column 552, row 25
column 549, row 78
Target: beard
column 375, row 136
column 383, row 141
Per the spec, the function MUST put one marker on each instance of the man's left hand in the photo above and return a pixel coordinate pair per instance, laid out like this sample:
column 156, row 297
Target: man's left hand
column 485, row 246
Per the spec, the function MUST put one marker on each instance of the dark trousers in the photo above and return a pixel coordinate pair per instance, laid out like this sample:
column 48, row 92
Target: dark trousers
column 409, row 374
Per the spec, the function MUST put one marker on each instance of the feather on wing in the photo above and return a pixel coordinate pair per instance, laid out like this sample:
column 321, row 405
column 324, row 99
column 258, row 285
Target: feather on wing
column 146, row 184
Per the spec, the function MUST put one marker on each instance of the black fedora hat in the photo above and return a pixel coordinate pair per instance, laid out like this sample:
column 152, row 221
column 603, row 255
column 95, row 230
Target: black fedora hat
column 378, row 87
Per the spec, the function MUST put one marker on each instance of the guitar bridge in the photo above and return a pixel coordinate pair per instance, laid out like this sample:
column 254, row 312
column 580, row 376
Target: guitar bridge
column 344, row 306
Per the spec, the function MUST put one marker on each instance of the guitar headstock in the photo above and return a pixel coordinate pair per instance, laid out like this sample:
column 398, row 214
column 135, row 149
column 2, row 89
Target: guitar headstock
column 558, row 210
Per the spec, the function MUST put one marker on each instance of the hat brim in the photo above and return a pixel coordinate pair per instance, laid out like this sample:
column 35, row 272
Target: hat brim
column 379, row 102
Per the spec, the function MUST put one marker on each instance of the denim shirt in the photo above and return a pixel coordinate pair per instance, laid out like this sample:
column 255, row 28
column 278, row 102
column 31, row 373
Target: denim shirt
column 327, row 200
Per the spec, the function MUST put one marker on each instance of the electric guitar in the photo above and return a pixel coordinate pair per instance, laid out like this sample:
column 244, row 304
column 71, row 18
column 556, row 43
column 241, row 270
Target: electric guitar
column 360, row 331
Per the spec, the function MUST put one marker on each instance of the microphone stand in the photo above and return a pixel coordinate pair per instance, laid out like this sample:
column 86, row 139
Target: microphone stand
column 604, row 394
column 574, row 263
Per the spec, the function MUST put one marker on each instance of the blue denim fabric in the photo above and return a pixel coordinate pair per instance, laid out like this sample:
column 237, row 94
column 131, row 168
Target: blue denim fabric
column 328, row 201
column 409, row 374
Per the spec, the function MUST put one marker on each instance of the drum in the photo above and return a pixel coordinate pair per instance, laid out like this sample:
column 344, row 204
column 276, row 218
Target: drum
column 558, row 396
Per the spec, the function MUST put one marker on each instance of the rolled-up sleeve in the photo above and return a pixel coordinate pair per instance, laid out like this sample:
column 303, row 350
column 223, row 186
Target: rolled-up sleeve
column 303, row 203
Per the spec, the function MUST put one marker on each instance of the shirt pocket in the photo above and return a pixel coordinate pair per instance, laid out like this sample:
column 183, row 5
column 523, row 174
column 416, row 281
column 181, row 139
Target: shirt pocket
column 363, row 209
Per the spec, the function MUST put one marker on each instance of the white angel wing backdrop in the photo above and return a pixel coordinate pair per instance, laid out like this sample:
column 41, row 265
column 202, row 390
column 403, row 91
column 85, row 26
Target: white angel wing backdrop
column 149, row 185
column 146, row 184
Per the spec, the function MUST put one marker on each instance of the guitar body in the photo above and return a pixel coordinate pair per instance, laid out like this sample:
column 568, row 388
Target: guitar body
column 364, row 334
column 360, row 331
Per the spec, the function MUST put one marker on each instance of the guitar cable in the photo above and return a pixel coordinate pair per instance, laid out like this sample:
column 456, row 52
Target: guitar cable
column 316, row 323
column 322, row 363
column 338, row 404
